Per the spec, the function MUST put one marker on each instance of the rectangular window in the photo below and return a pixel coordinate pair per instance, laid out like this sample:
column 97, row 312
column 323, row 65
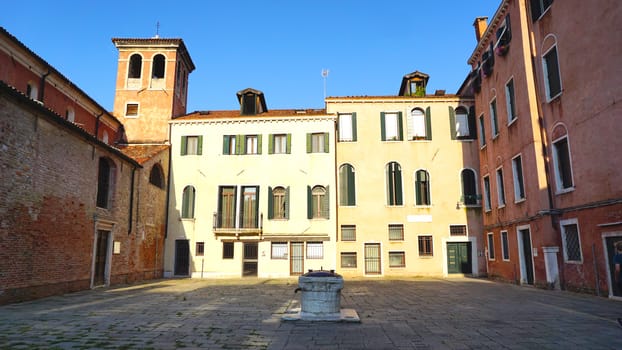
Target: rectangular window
column 493, row 118
column 482, row 131
column 280, row 144
column 425, row 246
column 315, row 250
column 552, row 78
column 227, row 250
column 347, row 127
column 348, row 259
column 279, row 250
column 131, row 110
column 457, row 230
column 538, row 7
column 200, row 249
column 505, row 247
column 509, row 101
column 391, row 126
column 571, row 241
column 251, row 144
column 396, row 232
column 397, row 259
column 419, row 127
column 226, row 207
column 348, row 232
column 487, row 205
column 500, row 188
column 563, row 168
column 229, row 144
column 317, row 142
column 517, row 173
column 491, row 246
column 191, row 145
column 249, row 213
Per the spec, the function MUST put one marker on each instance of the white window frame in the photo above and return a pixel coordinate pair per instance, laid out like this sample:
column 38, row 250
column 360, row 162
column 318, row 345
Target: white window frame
column 278, row 250
column 545, row 70
column 517, row 198
column 280, row 144
column 395, row 126
column 490, row 238
column 505, row 238
column 346, row 127
column 487, row 197
column 508, row 101
column 482, row 131
column 500, row 187
column 317, row 142
column 251, row 144
column 558, row 179
column 416, row 125
column 562, row 230
column 494, row 120
column 132, row 116
column 315, row 250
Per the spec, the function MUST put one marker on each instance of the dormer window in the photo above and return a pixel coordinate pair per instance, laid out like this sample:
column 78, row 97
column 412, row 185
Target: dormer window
column 249, row 104
column 488, row 61
column 504, row 36
column 252, row 102
column 414, row 84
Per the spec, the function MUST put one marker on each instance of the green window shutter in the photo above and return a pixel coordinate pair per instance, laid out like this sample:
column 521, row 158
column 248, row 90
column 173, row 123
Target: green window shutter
column 240, row 145
column 398, row 186
column 400, row 127
column 452, row 123
column 185, row 202
column 390, row 185
column 270, row 204
column 472, row 123
column 428, row 124
column 309, row 149
column 418, row 194
column 184, row 143
column 289, row 144
column 225, row 144
column 353, row 126
column 259, row 144
column 287, row 203
column 271, row 144
column 200, row 145
column 326, row 204
column 351, row 190
column 326, row 142
column 383, row 134
column 309, row 203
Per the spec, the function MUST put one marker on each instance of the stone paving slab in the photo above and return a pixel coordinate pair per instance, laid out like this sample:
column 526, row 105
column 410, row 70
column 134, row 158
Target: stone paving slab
column 417, row 313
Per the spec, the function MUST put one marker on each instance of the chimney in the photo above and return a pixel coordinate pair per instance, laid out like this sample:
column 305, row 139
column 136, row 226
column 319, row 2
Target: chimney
column 480, row 24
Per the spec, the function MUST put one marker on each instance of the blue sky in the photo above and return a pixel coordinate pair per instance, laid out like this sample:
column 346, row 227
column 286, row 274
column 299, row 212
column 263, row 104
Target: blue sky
column 278, row 47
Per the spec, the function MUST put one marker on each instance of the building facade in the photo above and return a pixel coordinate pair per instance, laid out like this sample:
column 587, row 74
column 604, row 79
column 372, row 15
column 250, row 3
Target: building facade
column 408, row 199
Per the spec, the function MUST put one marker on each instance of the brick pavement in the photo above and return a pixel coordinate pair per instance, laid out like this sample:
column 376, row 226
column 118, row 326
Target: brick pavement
column 246, row 314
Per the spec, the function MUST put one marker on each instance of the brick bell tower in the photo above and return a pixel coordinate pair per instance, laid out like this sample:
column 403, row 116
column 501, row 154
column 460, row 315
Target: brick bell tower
column 152, row 86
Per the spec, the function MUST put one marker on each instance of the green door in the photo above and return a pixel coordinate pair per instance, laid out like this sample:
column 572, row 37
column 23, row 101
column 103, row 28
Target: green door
column 459, row 257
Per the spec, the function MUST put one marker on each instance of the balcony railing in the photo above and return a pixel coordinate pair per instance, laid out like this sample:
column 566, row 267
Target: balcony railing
column 227, row 225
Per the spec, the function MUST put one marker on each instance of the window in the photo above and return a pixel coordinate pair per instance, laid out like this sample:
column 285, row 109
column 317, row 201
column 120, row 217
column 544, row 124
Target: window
column 347, row 127
column 419, row 124
column 538, row 7
column 391, row 126
column 397, row 259
column 504, row 36
column 571, row 241
column 482, row 131
column 509, row 101
column 187, row 203
column 462, row 124
column 552, row 78
column 200, row 249
column 280, row 144
column 563, row 168
column 425, row 246
column 318, row 204
column 191, row 145
column 156, row 176
column 457, row 230
column 105, row 136
column 500, row 188
column 229, row 144
column 279, row 250
column 491, row 246
column 394, row 184
column 70, row 114
column 493, row 118
column 348, row 259
column 317, row 142
column 32, row 91
column 157, row 70
column 278, row 203
column 315, row 250
column 348, row 232
column 135, row 68
column 104, row 182
column 227, row 250
column 488, row 61
column 422, row 187
column 487, row 205
column 131, row 110
column 249, row 103
column 249, row 213
column 226, row 207
column 505, row 248
column 517, row 174
column 469, row 187
column 252, row 144
column 346, row 185
column 396, row 232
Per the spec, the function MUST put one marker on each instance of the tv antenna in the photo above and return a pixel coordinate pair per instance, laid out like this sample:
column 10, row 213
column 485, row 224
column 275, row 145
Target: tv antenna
column 324, row 76
column 157, row 36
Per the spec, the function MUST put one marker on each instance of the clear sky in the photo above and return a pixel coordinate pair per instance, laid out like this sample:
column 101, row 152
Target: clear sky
column 278, row 47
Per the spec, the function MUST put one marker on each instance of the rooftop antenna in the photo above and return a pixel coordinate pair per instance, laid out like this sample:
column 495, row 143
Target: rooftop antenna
column 157, row 36
column 324, row 76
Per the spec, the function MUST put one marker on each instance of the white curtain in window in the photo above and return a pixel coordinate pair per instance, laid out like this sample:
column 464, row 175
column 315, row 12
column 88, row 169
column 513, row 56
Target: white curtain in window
column 462, row 124
column 345, row 127
column 390, row 125
column 416, row 127
column 279, row 250
column 192, row 145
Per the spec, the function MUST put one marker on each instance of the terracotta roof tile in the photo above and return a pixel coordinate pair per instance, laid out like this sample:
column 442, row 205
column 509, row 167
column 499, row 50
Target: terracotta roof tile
column 142, row 153
column 226, row 114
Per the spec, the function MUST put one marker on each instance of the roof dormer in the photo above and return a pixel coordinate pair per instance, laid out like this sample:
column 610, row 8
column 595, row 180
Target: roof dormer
column 252, row 102
column 414, row 84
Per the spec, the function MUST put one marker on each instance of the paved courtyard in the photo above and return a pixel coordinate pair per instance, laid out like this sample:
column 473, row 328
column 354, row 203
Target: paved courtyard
column 246, row 314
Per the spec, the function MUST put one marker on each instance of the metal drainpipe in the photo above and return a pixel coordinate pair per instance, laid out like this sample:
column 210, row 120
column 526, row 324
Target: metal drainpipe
column 42, row 90
column 168, row 182
column 131, row 215
column 97, row 124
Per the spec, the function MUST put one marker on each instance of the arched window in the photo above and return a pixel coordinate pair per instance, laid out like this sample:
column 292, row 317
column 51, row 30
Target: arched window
column 156, row 176
column 278, row 203
column 317, row 201
column 157, row 69
column 187, row 204
column 347, row 193
column 422, row 187
column 469, row 189
column 135, row 68
column 104, row 182
column 419, row 127
column 394, row 184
